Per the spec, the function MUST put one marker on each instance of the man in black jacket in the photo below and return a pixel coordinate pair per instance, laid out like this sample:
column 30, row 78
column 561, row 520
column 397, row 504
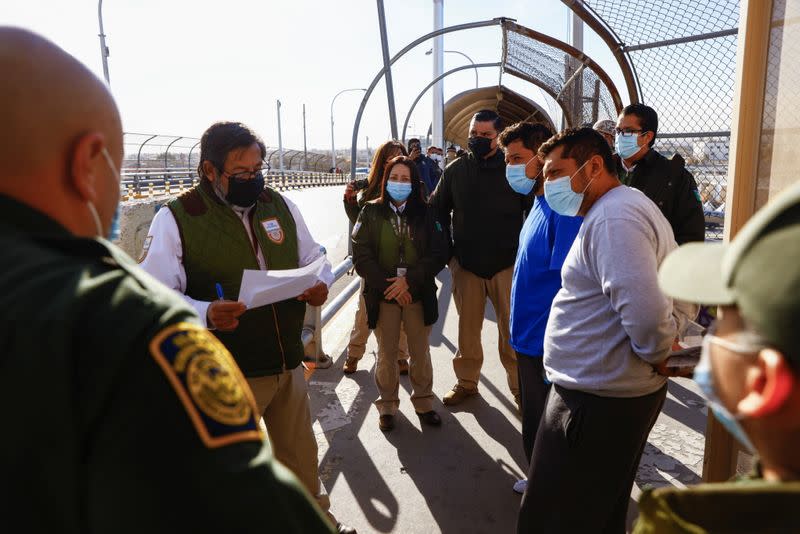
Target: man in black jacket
column 665, row 181
column 487, row 217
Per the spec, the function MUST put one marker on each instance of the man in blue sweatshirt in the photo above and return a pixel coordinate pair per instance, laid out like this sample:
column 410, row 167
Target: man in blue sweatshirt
column 545, row 239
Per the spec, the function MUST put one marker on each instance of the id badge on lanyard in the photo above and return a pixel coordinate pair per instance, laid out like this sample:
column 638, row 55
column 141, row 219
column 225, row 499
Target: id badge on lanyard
column 400, row 230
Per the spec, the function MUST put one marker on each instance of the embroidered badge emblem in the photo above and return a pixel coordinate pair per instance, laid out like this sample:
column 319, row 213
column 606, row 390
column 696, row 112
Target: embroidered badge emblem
column 209, row 384
column 273, row 229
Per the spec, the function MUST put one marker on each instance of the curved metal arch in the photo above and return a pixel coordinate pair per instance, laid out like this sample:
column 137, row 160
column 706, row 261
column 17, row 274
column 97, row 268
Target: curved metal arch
column 166, row 152
column 139, row 154
column 296, row 153
column 441, row 77
column 614, row 43
column 572, row 51
column 401, row 53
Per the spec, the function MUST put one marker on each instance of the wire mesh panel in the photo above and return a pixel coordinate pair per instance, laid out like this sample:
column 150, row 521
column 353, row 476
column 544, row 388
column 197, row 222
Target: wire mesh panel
column 582, row 90
column 683, row 53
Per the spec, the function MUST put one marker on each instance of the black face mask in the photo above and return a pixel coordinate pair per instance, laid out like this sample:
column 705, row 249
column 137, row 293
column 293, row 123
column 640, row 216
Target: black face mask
column 244, row 193
column 480, row 146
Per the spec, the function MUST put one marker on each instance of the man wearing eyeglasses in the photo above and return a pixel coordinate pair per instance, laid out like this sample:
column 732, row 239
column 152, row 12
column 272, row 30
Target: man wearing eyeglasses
column 665, row 181
column 749, row 371
column 200, row 245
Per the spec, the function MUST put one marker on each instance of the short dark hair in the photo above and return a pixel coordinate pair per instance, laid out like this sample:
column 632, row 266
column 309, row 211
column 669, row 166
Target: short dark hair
column 648, row 118
column 487, row 115
column 413, row 140
column 580, row 144
column 222, row 137
column 532, row 135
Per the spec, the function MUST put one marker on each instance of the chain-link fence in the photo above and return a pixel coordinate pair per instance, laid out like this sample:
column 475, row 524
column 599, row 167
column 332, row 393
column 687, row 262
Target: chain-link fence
column 680, row 59
column 582, row 90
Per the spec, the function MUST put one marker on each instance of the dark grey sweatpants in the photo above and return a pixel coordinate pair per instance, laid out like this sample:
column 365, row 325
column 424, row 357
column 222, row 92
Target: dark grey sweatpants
column 584, row 461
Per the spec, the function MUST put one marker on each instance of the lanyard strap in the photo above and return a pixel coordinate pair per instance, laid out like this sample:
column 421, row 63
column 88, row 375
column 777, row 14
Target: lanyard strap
column 400, row 228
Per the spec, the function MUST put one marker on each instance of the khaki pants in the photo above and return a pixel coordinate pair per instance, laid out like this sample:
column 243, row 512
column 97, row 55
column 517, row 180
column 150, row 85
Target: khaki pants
column 387, row 374
column 469, row 293
column 282, row 401
column 360, row 333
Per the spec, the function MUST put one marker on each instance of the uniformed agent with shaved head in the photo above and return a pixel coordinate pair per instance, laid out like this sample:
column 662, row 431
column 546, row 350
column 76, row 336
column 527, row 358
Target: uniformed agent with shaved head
column 121, row 413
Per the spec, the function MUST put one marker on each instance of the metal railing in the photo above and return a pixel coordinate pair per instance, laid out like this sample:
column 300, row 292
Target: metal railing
column 150, row 182
column 312, row 330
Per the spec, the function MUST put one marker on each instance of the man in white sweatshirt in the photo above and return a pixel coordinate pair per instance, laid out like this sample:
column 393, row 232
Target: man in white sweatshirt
column 609, row 329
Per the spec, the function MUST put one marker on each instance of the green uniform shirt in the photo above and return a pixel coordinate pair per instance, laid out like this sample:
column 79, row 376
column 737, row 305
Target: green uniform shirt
column 121, row 413
column 747, row 506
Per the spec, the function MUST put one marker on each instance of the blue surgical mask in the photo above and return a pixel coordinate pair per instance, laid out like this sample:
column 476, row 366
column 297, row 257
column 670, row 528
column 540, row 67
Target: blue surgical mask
column 561, row 198
column 705, row 379
column 627, row 144
column 518, row 180
column 113, row 231
column 399, row 191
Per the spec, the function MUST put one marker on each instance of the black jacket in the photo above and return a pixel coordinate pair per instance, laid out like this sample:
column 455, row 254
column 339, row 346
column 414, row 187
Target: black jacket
column 430, row 241
column 673, row 189
column 487, row 215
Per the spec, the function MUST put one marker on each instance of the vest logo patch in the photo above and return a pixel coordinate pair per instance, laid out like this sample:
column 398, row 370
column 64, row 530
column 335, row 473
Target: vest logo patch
column 209, row 384
column 273, row 229
column 145, row 248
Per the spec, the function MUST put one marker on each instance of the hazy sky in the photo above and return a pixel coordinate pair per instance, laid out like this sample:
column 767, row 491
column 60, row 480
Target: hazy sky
column 177, row 66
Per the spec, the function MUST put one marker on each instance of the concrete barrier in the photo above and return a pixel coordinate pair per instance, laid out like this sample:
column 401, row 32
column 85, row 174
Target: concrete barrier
column 134, row 222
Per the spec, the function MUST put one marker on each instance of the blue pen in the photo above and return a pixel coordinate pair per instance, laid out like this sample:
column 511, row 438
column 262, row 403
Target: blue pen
column 220, row 294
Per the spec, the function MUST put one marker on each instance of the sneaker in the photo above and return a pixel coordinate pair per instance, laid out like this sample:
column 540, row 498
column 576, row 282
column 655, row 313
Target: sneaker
column 350, row 365
column 521, row 485
column 458, row 394
column 403, row 366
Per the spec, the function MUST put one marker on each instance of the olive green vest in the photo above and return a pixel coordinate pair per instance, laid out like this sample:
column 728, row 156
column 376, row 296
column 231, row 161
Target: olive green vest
column 389, row 244
column 217, row 248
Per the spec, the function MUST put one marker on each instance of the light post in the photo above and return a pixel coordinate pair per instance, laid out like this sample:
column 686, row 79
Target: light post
column 429, row 52
column 103, row 47
column 333, row 146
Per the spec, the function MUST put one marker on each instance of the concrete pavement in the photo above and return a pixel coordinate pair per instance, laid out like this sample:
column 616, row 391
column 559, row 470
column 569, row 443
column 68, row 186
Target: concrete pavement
column 456, row 478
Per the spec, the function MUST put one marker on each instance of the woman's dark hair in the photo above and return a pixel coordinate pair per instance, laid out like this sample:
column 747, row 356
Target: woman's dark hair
column 415, row 205
column 222, row 137
column 378, row 167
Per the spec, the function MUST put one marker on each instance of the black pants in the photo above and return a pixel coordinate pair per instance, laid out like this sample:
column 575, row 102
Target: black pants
column 584, row 461
column 533, row 394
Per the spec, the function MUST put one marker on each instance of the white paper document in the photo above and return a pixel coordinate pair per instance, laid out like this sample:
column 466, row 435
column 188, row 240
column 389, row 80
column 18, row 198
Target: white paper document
column 260, row 288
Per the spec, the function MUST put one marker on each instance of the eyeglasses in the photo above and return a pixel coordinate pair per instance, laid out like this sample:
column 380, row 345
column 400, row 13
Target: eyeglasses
column 246, row 175
column 628, row 131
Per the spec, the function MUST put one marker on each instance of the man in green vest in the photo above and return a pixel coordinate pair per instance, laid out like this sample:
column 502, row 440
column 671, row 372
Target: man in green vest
column 122, row 413
column 749, row 371
column 201, row 244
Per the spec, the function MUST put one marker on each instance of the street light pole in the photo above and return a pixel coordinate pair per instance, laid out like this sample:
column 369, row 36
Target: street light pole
column 103, row 48
column 429, row 52
column 280, row 139
column 438, row 67
column 333, row 146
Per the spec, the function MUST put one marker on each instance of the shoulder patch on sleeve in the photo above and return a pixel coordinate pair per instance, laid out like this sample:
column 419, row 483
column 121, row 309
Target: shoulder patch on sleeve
column 210, row 385
column 356, row 228
column 697, row 195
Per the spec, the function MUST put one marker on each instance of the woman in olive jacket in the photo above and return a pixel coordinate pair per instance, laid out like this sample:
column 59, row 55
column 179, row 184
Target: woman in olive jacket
column 398, row 248
column 353, row 202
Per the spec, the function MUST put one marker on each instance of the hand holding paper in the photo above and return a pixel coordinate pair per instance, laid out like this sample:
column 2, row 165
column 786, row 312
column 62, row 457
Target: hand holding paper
column 260, row 288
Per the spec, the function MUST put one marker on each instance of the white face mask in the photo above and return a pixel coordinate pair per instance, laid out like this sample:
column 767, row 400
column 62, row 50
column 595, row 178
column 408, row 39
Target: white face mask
column 113, row 232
